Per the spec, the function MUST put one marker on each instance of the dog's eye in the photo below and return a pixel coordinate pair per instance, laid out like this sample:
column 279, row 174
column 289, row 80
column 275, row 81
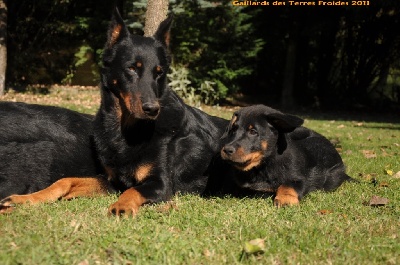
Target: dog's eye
column 132, row 68
column 253, row 132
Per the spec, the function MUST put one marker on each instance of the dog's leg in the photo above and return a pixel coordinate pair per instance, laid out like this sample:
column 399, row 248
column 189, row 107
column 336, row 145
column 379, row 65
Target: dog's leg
column 128, row 203
column 286, row 196
column 66, row 188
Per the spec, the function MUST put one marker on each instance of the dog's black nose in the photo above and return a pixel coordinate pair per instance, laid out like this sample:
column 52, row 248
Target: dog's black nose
column 229, row 150
column 151, row 109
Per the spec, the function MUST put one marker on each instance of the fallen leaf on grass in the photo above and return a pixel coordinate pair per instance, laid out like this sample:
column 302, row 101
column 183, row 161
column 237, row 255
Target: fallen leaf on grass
column 254, row 246
column 376, row 201
column 383, row 185
column 324, row 212
column 397, row 175
column 207, row 253
column 368, row 177
column 368, row 154
column 166, row 207
column 389, row 172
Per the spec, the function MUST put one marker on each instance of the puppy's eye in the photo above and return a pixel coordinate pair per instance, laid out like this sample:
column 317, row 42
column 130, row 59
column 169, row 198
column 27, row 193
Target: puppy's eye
column 253, row 132
column 132, row 69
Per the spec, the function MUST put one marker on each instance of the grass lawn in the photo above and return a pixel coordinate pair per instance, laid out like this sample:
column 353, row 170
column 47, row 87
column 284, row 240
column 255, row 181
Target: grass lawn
column 328, row 228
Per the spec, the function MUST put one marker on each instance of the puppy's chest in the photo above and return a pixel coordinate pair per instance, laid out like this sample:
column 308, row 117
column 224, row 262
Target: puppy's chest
column 258, row 181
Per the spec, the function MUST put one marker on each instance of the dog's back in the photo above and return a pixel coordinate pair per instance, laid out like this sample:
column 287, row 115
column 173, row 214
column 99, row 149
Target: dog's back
column 320, row 157
column 41, row 144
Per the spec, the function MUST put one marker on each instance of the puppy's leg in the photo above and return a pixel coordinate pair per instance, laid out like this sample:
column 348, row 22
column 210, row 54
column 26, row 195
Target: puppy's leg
column 66, row 188
column 286, row 196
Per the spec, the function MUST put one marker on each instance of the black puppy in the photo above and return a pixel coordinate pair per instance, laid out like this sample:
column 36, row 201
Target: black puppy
column 42, row 144
column 271, row 152
column 149, row 142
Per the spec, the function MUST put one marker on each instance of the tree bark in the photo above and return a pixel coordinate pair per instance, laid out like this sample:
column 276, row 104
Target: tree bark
column 3, row 45
column 156, row 12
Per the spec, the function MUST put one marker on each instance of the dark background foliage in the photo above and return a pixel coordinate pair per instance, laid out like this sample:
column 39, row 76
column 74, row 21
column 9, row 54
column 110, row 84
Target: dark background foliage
column 322, row 57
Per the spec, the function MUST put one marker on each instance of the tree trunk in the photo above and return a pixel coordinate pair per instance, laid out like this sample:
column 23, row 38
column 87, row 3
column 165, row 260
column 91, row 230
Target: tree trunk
column 156, row 12
column 3, row 45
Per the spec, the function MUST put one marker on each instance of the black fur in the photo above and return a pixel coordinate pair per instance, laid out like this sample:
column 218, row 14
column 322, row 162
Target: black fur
column 268, row 149
column 142, row 123
column 41, row 144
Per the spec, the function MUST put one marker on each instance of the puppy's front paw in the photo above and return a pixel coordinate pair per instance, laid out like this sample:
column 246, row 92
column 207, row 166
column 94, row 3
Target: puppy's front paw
column 286, row 196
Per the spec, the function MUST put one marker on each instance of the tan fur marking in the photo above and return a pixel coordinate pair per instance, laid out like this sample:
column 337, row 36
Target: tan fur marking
column 286, row 196
column 167, row 38
column 254, row 158
column 126, row 98
column 115, row 34
column 139, row 64
column 128, row 203
column 264, row 145
column 66, row 188
column 132, row 103
column 142, row 172
column 115, row 81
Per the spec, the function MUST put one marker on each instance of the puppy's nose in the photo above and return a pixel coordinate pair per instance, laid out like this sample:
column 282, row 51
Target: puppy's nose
column 229, row 150
column 151, row 109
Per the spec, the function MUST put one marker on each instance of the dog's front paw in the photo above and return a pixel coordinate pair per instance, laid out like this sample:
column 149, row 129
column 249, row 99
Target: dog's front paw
column 128, row 203
column 123, row 208
column 285, row 201
column 7, row 204
column 286, row 196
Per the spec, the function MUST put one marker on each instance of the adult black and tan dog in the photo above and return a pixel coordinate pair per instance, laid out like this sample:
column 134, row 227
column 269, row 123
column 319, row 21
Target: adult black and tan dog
column 149, row 142
column 42, row 144
column 271, row 152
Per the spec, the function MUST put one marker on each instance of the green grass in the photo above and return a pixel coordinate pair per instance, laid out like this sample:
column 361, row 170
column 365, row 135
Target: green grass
column 327, row 228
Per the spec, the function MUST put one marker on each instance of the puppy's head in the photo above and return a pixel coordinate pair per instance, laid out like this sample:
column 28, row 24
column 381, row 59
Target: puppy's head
column 135, row 68
column 254, row 134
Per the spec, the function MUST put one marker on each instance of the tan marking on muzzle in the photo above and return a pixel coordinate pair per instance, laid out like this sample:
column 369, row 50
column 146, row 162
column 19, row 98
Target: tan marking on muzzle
column 132, row 103
column 252, row 159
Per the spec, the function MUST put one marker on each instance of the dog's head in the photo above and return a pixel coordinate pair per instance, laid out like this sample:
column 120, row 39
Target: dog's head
column 134, row 69
column 254, row 134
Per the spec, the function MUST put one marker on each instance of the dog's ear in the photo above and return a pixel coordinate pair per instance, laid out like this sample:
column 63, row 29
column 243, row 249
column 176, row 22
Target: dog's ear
column 163, row 32
column 229, row 127
column 284, row 123
column 117, row 29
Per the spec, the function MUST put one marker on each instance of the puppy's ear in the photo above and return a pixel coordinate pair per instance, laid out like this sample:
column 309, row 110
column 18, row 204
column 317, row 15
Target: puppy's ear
column 229, row 127
column 117, row 29
column 163, row 32
column 284, row 123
